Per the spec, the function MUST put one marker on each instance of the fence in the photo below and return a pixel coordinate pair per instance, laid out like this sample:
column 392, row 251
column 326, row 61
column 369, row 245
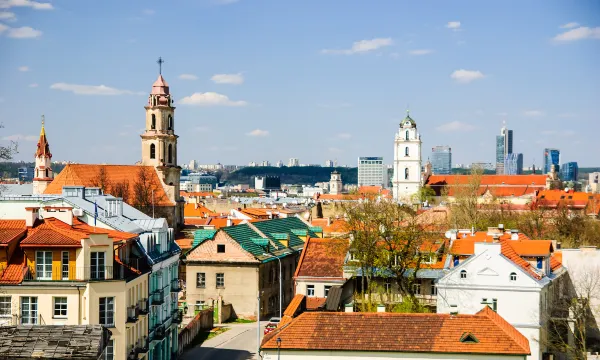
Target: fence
column 202, row 321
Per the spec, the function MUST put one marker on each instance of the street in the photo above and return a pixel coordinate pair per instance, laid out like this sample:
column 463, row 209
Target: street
column 239, row 343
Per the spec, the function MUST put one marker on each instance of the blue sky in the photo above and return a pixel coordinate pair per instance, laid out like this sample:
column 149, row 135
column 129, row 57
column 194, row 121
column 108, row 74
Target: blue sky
column 268, row 80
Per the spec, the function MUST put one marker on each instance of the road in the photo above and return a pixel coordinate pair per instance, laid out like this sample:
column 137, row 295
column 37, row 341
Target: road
column 238, row 343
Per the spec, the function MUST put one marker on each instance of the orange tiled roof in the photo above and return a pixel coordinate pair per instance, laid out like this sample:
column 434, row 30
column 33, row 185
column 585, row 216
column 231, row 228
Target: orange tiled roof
column 294, row 305
column 313, row 303
column 87, row 175
column 397, row 332
column 196, row 193
column 373, row 189
column 496, row 185
column 339, row 197
column 337, row 226
column 11, row 230
column 195, row 210
column 320, row 222
column 322, row 258
column 196, row 221
column 571, row 199
column 13, row 274
column 184, row 244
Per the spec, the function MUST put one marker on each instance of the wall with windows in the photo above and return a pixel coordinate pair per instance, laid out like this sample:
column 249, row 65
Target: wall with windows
column 105, row 303
column 315, row 287
column 136, row 296
column 39, row 305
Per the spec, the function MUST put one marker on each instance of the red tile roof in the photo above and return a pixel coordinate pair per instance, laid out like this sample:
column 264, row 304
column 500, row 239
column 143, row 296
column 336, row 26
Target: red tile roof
column 11, row 230
column 313, row 303
column 87, row 175
column 396, row 332
column 195, row 210
column 322, row 258
column 497, row 185
column 13, row 274
column 196, row 221
column 294, row 306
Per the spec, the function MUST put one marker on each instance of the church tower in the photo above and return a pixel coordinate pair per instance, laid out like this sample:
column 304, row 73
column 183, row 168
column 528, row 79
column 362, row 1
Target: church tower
column 407, row 160
column 159, row 142
column 335, row 183
column 43, row 174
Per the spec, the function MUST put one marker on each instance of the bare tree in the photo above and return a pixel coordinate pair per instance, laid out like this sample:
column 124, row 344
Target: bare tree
column 145, row 191
column 465, row 210
column 102, row 180
column 121, row 189
column 6, row 153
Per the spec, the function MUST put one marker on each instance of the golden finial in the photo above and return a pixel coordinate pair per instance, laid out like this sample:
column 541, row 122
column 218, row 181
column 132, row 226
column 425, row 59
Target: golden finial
column 43, row 132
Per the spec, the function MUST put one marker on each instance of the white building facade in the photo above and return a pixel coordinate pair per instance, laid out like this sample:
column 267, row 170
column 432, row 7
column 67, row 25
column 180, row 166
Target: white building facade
column 335, row 184
column 407, row 160
column 372, row 172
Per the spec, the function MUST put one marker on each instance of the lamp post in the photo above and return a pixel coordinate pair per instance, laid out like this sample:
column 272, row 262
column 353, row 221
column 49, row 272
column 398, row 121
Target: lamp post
column 278, row 348
column 280, row 281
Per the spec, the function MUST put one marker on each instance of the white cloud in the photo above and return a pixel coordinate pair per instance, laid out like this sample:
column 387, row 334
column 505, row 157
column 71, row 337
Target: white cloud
column 582, row 32
column 20, row 137
column 235, row 79
column 7, row 16
column 188, row 77
column 6, row 4
column 361, row 47
column 210, row 99
column 454, row 25
column 3, row 28
column 569, row 25
column 466, row 76
column 420, row 52
column 92, row 89
column 34, row 85
column 455, row 126
column 23, row 68
column 24, row 32
column 258, row 132
column 533, row 113
column 148, row 12
column 344, row 136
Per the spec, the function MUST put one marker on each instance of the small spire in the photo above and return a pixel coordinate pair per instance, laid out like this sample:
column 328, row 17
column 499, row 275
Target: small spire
column 160, row 61
column 43, row 131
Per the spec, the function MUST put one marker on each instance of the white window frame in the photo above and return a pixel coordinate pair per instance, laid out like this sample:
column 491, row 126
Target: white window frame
column 99, row 264
column 106, row 304
column 222, row 285
column 109, row 351
column 43, row 270
column 4, row 310
column 463, row 272
column 326, row 289
column 64, row 266
column 513, row 276
column 62, row 307
column 29, row 310
column 200, row 276
column 310, row 290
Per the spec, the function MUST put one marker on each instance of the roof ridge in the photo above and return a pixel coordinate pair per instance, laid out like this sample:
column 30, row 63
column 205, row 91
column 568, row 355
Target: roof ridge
column 505, row 326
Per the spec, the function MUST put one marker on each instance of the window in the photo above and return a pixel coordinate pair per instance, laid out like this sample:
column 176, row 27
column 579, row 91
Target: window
column 463, row 274
column 406, row 135
column 200, row 280
column 405, row 173
column 388, row 287
column 65, row 265
column 29, row 310
column 220, row 280
column 495, row 304
column 417, row 287
column 43, row 264
column 170, row 123
column 433, row 289
column 513, row 276
column 327, row 287
column 152, row 151
column 220, row 248
column 60, row 307
column 456, row 261
column 5, row 306
column 406, row 151
column 107, row 311
column 310, row 290
column 47, row 173
column 540, row 262
column 97, row 268
column 170, row 153
column 468, row 338
column 109, row 352
column 153, row 125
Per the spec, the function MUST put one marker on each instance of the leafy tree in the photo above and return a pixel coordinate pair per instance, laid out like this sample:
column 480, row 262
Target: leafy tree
column 425, row 193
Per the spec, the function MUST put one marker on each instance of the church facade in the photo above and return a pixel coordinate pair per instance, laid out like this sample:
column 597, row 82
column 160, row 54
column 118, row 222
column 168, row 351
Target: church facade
column 407, row 160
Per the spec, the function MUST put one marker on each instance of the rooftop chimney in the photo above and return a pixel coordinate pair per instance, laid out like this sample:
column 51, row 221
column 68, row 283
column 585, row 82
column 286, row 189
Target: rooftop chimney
column 380, row 308
column 501, row 227
column 514, row 234
column 31, row 216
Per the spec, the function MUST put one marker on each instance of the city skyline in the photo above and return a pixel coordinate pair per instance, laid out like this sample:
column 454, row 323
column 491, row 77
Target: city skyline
column 229, row 87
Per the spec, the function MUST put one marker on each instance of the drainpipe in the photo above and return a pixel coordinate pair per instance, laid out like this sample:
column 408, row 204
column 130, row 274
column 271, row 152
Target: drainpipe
column 79, row 322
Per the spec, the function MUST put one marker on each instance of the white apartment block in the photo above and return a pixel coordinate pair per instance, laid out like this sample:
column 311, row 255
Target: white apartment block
column 372, row 171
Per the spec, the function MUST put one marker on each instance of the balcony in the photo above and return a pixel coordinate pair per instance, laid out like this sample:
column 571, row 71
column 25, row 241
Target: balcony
column 69, row 273
column 159, row 333
column 175, row 287
column 143, row 306
column 157, row 298
column 133, row 313
column 141, row 346
column 178, row 316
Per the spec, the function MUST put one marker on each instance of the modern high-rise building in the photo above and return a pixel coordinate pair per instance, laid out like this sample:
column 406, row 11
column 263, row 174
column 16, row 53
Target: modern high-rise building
column 293, row 162
column 441, row 160
column 569, row 171
column 513, row 164
column 328, row 163
column 551, row 157
column 504, row 146
column 371, row 171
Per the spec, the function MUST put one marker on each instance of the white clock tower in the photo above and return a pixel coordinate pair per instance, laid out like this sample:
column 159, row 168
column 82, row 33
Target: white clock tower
column 407, row 160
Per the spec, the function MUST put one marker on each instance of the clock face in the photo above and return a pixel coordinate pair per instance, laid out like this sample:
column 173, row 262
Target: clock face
column 407, row 123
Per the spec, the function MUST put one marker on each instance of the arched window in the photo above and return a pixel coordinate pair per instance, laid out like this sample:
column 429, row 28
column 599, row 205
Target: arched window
column 406, row 151
column 152, row 151
column 153, row 125
column 170, row 123
column 170, row 153
column 406, row 138
column 405, row 173
column 47, row 173
column 513, row 276
column 463, row 274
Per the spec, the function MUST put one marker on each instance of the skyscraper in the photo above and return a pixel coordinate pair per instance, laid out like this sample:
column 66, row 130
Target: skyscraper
column 372, row 171
column 441, row 160
column 513, row 164
column 504, row 146
column 569, row 171
column 551, row 157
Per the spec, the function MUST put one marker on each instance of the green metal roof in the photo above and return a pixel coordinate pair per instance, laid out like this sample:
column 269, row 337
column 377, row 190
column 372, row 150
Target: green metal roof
column 280, row 236
column 316, row 229
column 290, row 225
column 201, row 235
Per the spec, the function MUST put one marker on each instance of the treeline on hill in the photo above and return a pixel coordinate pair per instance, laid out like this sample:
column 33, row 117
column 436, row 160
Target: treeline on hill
column 306, row 175
column 10, row 169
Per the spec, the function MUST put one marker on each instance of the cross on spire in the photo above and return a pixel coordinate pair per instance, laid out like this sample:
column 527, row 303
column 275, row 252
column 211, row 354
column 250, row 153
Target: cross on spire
column 43, row 120
column 160, row 61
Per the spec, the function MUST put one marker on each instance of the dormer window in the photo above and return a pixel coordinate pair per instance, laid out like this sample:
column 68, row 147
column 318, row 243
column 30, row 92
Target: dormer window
column 513, row 276
column 220, row 248
column 468, row 338
column 463, row 274
column 113, row 208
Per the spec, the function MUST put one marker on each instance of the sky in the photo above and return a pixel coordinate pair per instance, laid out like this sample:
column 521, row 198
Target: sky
column 316, row 80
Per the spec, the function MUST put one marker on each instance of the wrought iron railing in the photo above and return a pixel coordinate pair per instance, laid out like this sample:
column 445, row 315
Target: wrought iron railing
column 55, row 273
column 158, row 297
